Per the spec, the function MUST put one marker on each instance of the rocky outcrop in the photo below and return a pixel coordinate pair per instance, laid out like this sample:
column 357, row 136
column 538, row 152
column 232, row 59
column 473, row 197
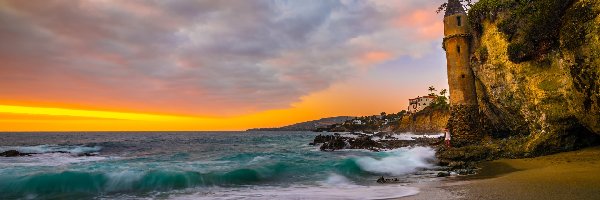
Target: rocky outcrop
column 426, row 121
column 537, row 75
column 363, row 141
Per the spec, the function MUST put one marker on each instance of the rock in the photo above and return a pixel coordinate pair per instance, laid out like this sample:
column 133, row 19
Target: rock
column 465, row 171
column 337, row 142
column 551, row 102
column 443, row 174
column 13, row 153
column 381, row 180
column 388, row 180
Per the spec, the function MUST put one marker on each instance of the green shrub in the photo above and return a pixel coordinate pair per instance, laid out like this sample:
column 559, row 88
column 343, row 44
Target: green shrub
column 532, row 27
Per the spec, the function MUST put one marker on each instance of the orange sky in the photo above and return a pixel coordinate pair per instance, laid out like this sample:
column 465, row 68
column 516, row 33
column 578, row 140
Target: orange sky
column 124, row 66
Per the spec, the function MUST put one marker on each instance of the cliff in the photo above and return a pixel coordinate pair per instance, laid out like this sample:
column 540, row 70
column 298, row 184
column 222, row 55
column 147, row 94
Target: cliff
column 537, row 71
column 426, row 121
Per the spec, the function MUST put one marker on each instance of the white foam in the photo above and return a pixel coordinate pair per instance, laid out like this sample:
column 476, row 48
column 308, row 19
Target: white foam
column 75, row 150
column 123, row 180
column 259, row 159
column 412, row 136
column 336, row 180
column 304, row 192
column 399, row 161
column 349, row 135
column 48, row 159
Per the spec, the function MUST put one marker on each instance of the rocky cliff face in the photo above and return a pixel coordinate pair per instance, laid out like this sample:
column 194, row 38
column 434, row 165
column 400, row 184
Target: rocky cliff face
column 539, row 94
column 426, row 121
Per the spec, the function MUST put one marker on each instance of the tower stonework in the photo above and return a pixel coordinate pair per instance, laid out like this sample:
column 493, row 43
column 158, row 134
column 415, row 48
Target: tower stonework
column 464, row 118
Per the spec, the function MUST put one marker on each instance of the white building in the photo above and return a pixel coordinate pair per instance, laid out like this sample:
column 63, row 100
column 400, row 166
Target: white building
column 357, row 121
column 417, row 104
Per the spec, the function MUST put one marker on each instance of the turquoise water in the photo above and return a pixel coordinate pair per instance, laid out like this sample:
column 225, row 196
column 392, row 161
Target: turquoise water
column 200, row 165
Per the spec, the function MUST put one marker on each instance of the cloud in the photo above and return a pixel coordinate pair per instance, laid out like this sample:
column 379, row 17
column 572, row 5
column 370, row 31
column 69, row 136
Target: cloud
column 200, row 57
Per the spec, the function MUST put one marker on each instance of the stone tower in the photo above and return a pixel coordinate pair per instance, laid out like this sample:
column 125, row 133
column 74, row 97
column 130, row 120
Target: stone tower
column 457, row 46
column 463, row 122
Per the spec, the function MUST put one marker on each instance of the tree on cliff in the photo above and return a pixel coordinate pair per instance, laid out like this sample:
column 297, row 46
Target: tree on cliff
column 440, row 101
column 467, row 4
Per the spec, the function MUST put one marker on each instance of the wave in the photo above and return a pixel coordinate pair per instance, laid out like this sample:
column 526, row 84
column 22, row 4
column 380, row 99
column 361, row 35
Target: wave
column 137, row 176
column 399, row 161
column 48, row 159
column 41, row 149
column 50, row 185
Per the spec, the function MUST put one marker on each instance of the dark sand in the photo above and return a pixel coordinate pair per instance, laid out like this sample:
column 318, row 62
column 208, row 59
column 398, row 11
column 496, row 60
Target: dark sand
column 570, row 175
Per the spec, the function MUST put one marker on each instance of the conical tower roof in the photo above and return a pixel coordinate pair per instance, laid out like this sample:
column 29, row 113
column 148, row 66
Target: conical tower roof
column 454, row 7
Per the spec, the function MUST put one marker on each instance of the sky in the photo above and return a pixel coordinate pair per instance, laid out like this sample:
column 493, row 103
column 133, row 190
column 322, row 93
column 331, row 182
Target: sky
column 108, row 65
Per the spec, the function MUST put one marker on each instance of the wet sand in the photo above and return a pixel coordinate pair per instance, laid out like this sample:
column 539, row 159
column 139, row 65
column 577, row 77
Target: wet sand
column 569, row 175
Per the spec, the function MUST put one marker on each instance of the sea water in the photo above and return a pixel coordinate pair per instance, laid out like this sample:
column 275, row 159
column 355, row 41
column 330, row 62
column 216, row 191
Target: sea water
column 201, row 165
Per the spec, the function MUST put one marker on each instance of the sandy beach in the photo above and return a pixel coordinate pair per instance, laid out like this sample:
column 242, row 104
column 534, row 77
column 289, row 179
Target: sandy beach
column 569, row 175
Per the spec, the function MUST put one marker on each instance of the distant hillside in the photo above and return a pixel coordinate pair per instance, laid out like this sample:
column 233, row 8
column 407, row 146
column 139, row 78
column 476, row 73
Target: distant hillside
column 309, row 125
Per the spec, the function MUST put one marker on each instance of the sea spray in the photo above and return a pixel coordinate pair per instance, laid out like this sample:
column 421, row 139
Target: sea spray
column 399, row 161
column 336, row 180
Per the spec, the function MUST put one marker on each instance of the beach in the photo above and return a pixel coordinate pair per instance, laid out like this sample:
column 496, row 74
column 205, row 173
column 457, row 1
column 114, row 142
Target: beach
column 569, row 175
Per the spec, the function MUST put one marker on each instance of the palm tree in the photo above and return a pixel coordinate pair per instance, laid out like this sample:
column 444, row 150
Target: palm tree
column 443, row 92
column 431, row 89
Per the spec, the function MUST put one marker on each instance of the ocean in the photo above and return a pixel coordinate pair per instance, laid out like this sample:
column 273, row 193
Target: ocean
column 202, row 165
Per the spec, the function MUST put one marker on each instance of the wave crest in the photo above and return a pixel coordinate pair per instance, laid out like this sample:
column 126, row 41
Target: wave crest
column 399, row 161
column 40, row 149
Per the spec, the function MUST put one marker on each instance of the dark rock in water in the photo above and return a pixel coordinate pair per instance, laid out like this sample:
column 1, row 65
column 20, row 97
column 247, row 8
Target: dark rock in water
column 89, row 154
column 10, row 153
column 336, row 143
column 363, row 141
column 13, row 153
column 383, row 180
column 443, row 174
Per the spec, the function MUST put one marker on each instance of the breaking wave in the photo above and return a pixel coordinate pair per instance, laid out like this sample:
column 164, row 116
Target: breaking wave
column 52, row 184
column 40, row 149
column 399, row 161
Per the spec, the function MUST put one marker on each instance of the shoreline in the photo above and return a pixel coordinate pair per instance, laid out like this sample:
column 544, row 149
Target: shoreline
column 567, row 175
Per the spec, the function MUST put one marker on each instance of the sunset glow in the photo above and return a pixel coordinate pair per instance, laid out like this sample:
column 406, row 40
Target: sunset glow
column 211, row 65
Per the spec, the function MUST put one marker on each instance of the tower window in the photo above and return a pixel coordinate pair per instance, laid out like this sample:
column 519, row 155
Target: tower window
column 458, row 49
column 459, row 20
column 462, row 76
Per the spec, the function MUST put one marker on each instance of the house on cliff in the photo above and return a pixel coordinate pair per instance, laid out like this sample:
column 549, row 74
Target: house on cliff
column 417, row 104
